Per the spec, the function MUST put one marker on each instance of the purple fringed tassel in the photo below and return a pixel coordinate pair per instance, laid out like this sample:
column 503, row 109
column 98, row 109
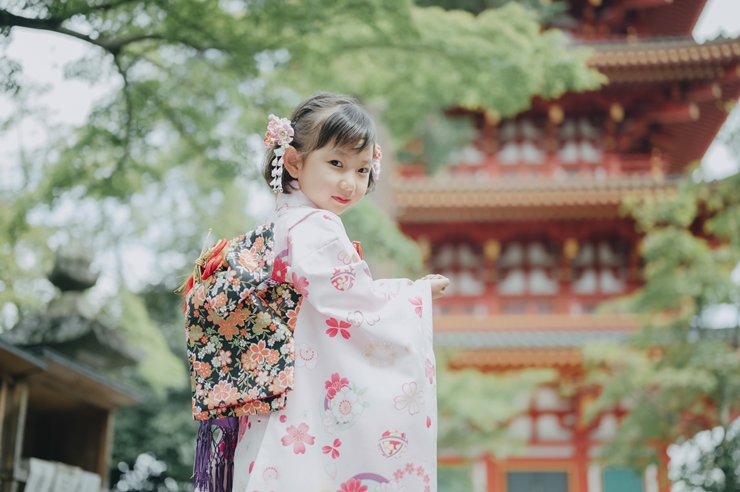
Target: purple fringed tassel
column 213, row 470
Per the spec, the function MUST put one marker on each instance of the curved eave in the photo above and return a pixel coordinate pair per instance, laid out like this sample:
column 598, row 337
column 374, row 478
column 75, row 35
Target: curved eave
column 508, row 359
column 663, row 54
column 504, row 342
column 447, row 199
column 682, row 59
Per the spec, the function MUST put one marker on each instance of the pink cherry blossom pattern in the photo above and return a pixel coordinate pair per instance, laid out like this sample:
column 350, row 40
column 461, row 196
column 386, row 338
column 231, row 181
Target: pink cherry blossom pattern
column 298, row 437
column 335, row 384
column 336, row 326
column 299, row 284
column 410, row 470
column 352, row 485
column 416, row 301
column 333, row 450
column 430, row 371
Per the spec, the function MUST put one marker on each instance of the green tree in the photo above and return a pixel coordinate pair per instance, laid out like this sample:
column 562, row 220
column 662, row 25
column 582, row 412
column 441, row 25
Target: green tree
column 681, row 371
column 198, row 77
column 475, row 408
column 547, row 9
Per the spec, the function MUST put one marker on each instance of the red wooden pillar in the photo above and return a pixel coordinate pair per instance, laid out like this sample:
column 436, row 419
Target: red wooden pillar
column 664, row 483
column 492, row 475
column 580, row 438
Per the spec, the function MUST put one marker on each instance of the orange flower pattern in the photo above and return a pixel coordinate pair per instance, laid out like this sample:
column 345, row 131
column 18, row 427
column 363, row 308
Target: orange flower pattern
column 239, row 325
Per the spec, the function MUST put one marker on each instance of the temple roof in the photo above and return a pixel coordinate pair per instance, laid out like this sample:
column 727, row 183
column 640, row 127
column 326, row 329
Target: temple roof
column 556, row 340
column 518, row 339
column 554, row 323
column 649, row 60
column 512, row 341
column 51, row 373
column 517, row 358
column 443, row 198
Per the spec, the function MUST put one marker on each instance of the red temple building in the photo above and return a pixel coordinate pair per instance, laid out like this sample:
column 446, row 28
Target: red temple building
column 527, row 225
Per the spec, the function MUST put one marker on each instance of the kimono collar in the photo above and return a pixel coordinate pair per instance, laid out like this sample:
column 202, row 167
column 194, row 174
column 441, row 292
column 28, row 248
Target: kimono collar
column 294, row 199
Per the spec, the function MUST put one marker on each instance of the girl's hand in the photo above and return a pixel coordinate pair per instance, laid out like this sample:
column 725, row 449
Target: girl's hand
column 439, row 284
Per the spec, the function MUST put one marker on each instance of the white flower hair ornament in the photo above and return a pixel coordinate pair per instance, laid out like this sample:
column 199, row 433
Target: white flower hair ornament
column 377, row 154
column 281, row 133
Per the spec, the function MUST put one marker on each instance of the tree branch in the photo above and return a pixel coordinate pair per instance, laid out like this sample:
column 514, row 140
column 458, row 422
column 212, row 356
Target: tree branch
column 11, row 20
column 129, row 114
column 102, row 7
column 113, row 46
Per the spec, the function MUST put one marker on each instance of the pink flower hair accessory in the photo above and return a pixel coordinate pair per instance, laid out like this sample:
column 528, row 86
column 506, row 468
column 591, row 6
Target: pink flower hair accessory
column 377, row 154
column 280, row 133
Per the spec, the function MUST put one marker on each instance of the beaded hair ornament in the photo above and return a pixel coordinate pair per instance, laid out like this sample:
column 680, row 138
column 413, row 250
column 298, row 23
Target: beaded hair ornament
column 377, row 154
column 280, row 132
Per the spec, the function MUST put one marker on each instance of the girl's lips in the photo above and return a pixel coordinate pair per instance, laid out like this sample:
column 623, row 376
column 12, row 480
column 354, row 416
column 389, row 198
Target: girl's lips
column 343, row 201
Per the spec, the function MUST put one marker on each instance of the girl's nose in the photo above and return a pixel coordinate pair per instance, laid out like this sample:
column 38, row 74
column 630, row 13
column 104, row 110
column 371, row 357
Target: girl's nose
column 347, row 185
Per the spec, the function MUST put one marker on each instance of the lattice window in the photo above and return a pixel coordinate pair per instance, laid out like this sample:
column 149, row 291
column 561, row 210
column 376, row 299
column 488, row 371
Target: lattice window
column 600, row 267
column 521, row 142
column 527, row 268
column 462, row 263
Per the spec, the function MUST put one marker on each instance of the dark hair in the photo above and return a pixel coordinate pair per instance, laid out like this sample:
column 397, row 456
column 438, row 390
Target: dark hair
column 326, row 119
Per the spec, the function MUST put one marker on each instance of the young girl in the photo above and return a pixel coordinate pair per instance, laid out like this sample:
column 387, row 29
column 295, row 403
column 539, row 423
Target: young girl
column 362, row 413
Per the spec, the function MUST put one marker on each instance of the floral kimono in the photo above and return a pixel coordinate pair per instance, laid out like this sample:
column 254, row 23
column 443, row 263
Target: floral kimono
column 362, row 416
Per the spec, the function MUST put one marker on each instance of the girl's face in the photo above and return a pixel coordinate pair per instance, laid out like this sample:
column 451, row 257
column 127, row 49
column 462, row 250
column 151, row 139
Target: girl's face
column 333, row 178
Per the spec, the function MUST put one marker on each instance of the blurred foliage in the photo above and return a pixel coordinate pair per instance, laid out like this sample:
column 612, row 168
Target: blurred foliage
column 681, row 372
column 475, row 408
column 160, row 368
column 454, row 478
column 146, row 474
column 382, row 238
column 730, row 133
column 546, row 9
column 696, row 462
column 436, row 140
column 173, row 149
column 162, row 426
column 497, row 60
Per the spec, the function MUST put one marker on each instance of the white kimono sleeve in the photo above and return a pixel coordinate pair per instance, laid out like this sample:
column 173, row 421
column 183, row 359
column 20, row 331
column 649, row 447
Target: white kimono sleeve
column 337, row 283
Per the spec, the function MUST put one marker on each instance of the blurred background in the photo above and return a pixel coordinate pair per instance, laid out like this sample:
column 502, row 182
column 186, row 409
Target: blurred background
column 571, row 165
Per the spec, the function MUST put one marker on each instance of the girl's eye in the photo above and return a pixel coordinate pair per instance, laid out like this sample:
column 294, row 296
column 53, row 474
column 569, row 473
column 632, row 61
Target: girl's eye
column 363, row 170
column 335, row 163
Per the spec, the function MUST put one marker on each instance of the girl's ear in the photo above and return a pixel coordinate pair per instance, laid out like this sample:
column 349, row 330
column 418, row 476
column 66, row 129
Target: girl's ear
column 293, row 161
